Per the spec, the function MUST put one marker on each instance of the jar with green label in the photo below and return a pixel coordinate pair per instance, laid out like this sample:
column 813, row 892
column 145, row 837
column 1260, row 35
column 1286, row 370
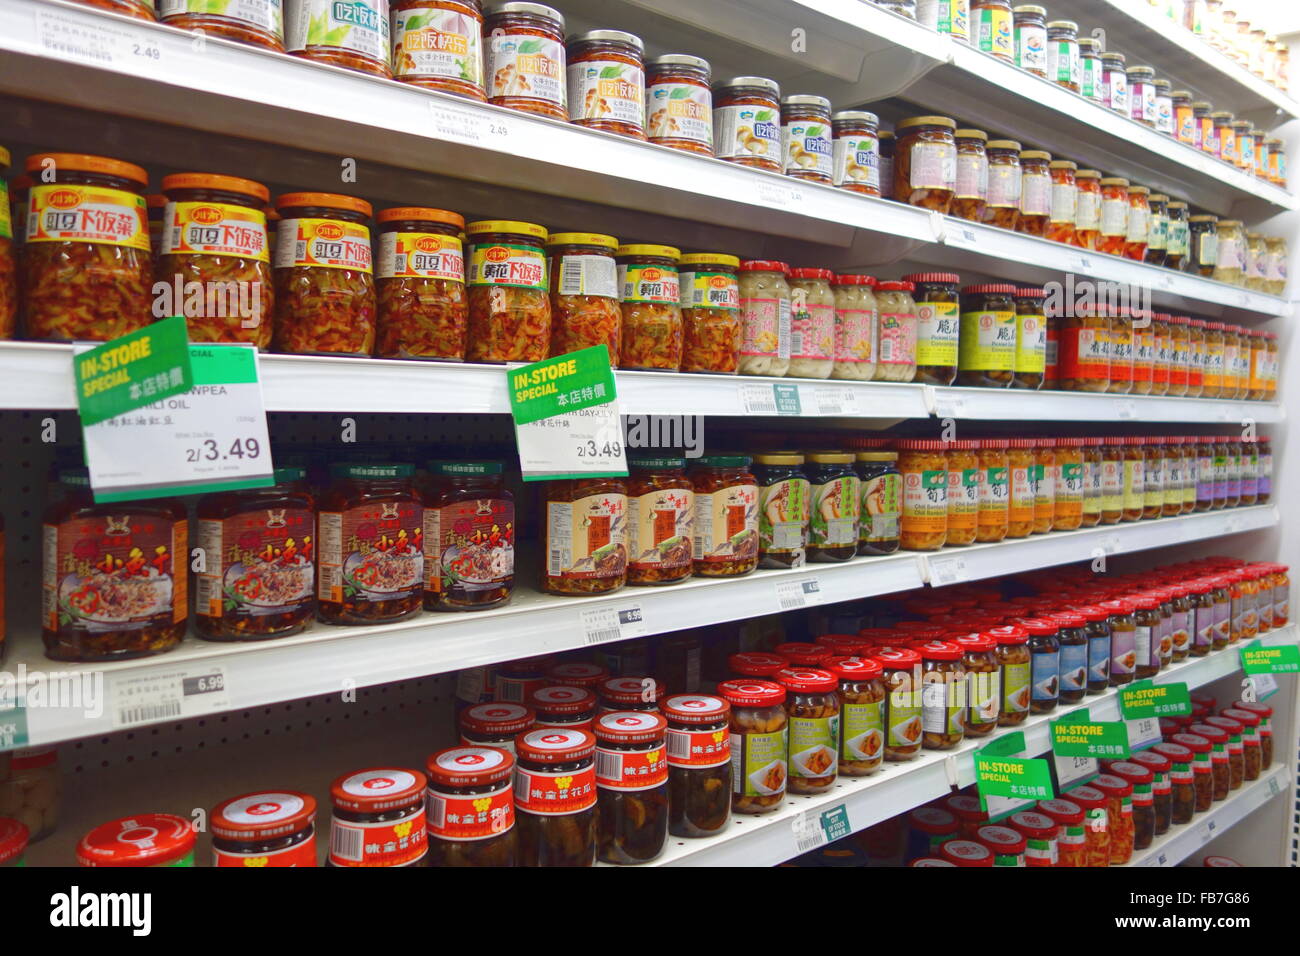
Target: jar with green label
column 1031, row 39
column 1158, row 229
column 943, row 691
column 759, row 743
column 903, row 724
column 862, row 715
column 650, row 296
column 835, row 495
column 1031, row 338
column 1014, row 662
column 937, row 326
column 1204, row 231
column 812, row 709
column 1178, row 239
column 992, row 24
column 783, row 509
column 882, row 502
column 994, row 490
column 983, row 684
column 987, row 341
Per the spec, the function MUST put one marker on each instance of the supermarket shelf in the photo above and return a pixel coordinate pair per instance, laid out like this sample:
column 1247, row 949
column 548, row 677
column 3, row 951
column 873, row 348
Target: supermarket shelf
column 987, row 404
column 1181, row 842
column 766, row 840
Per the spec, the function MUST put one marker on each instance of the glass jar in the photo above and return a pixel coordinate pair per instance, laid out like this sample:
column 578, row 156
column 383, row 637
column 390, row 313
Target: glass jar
column 1031, row 39
column 1064, row 205
column 861, row 695
column 495, row 724
column 378, row 819
column 423, row 312
column 765, row 310
column 584, row 292
column 1097, row 629
column 783, row 509
column 651, row 306
column 929, row 828
column 1205, row 474
column 882, row 502
column 1064, row 67
column 525, row 58
column 31, row 787
column 169, row 841
column 469, row 537
column 1031, row 338
column 1251, row 744
column 924, row 469
column 813, row 719
column 896, row 336
column 1222, row 596
column 1165, row 107
column 1275, row 265
column 1112, row 480
column 1270, row 387
column 1068, row 485
column 1093, row 474
column 1021, row 461
column 987, row 343
column 597, row 102
column 13, row 842
column 1146, row 617
column 1014, row 660
column 835, row 496
column 1256, row 262
column 1205, row 139
column 1134, row 479
column 1096, row 831
column 991, row 25
column 631, row 786
column 1114, row 215
column 437, row 44
column 1043, row 480
column 747, row 122
column 1178, row 237
column 1264, row 729
column 713, row 330
column 1119, row 815
column 356, row 38
column 806, row 140
column 1220, row 767
column 660, row 517
column 679, row 103
column 509, row 305
column 759, row 744
column 857, row 321
column 257, row 24
column 1157, row 240
column 1180, row 345
column 1224, row 144
column 901, row 669
column 1073, row 638
column 887, row 149
column 471, row 807
column 699, row 764
column 1184, row 117
column 1141, row 779
column 1179, row 780
column 726, row 516
column 1153, row 477
column 963, row 492
column 1123, row 641
column 1215, row 361
column 585, row 536
column 982, row 688
column 1236, row 747
column 855, row 154
column 1035, row 192
column 1276, row 162
column 1202, row 768
column 1002, row 208
column 1230, row 265
column 1123, row 345
column 1115, row 93
column 1138, row 223
column 1198, row 359
column 1159, row 336
column 1087, row 220
column 925, row 162
column 1042, row 837
column 1204, row 255
column 1045, row 663
column 812, row 323
column 1249, row 470
column 1091, row 70
column 937, row 320
column 1084, row 351
column 1175, row 477
column 943, row 697
column 1264, row 471
column 971, row 194
column 1142, row 95
column 1243, row 138
column 756, row 664
column 632, row 692
column 994, row 490
column 556, row 825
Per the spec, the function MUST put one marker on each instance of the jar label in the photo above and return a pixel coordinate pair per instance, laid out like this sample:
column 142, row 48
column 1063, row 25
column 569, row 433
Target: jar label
column 963, row 499
column 649, row 283
column 266, row 14
column 995, row 491
column 855, row 335
column 882, row 505
column 1158, row 232
column 988, row 341
column 631, row 769
column 1117, row 91
column 529, row 67
column 357, row 27
column 679, row 111
column 934, row 166
column 1015, row 687
column 1035, row 194
column 1040, row 853
column 1065, row 202
column 897, row 339
column 1112, row 486
column 807, row 147
column 863, row 731
column 834, row 514
column 1232, row 254
column 1031, row 48
column 1142, row 102
column 698, row 749
column 1146, row 651
column 1153, row 491
column 420, row 255
column 812, row 330
column 65, row 213
column 855, row 160
column 985, row 690
column 783, row 516
column 323, row 243
column 594, row 275
column 214, row 229
column 1123, row 651
column 586, row 539
column 937, row 326
column 1004, row 185
column 469, row 547
column 1208, row 249
column 903, row 716
column 994, row 29
column 925, row 502
column 1031, row 344
column 1043, row 479
column 814, row 743
column 748, row 132
column 461, row 818
column 1069, row 482
column 1204, row 478
column 256, row 564
column 1092, row 487
column 953, row 17
column 1172, row 480
column 972, row 175
column 607, row 90
column 1139, row 224
column 430, row 42
column 726, row 525
column 555, row 793
column 392, row 843
column 709, row 290
column 302, row 853
column 1091, row 81
column 371, row 553
column 1064, row 65
column 1114, row 216
column 661, row 524
column 114, row 573
column 1099, row 658
column 758, row 763
column 1022, row 496
column 941, row 710
column 1165, row 114
column 1088, row 215
column 506, row 264
column 767, row 327
column 1134, row 485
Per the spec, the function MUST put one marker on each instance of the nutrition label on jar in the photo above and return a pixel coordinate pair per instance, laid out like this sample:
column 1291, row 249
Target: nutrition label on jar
column 588, row 275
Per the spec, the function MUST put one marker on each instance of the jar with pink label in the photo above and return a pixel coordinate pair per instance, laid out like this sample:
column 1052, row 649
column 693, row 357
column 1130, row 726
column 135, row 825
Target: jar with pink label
column 812, row 323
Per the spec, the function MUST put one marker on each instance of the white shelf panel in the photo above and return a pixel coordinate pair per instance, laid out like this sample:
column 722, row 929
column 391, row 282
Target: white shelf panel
column 1005, row 404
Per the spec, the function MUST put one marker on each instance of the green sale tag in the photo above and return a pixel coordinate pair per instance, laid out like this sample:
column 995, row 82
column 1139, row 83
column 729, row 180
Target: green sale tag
column 1257, row 659
column 134, row 370
column 566, row 383
column 1080, row 737
column 1145, row 699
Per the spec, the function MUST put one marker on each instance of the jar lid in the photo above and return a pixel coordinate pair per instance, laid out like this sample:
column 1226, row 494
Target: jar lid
column 966, row 853
column 972, row 134
column 657, row 464
column 1009, row 634
column 1007, row 144
column 742, row 82
column 631, row 690
column 1222, row 116
column 1176, row 752
column 843, row 645
column 461, row 469
column 261, row 815
column 898, row 659
column 1030, row 9
column 1036, row 154
column 940, row 651
column 877, row 456
column 1114, row 786
column 469, row 766
column 608, row 36
column 709, row 259
column 582, row 239
column 895, row 287
column 1063, row 25
column 830, row 458
column 555, row 745
column 148, row 839
column 966, row 808
column 1145, row 601
column 1163, row 84
column 854, row 280
column 1114, row 57
column 1038, row 626
column 779, row 458
column 509, row 227
column 995, row 444
column 630, row 726
column 933, row 820
column 1061, row 811
column 681, row 59
column 1230, row 223
column 752, row 693
column 1028, row 292
column 562, row 699
column 855, row 668
column 1089, row 46
column 1215, row 735
column 806, row 99
column 1115, row 181
column 1087, row 174
column 1118, row 606
column 801, row 653
column 1261, row 710
column 976, row 642
column 919, row 862
column 229, row 184
column 498, row 719
column 807, row 679
column 652, row 251
column 723, row 461
column 1002, row 840
column 365, row 470
column 376, row 789
column 1155, row 762
column 536, row 9
column 1225, row 861
column 989, row 288
column 1142, row 70
column 943, row 121
column 947, row 278
column 756, row 663
column 695, row 709
column 1140, row 190
column 85, row 163
column 855, row 116
column 419, row 214
column 1069, row 618
column 763, row 265
column 1225, row 723
column 812, row 274
column 1090, row 798
column 13, row 839
column 1035, row 826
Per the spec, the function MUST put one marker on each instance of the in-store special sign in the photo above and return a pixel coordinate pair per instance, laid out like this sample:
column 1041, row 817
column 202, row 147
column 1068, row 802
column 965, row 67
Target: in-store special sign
column 1076, row 735
column 139, row 368
column 1007, row 783
column 1145, row 699
column 1258, row 659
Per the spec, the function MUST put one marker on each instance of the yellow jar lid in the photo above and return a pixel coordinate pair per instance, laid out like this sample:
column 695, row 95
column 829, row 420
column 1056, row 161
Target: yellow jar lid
column 1177, row 205
column 971, row 134
column 1115, row 181
column 1004, row 144
column 507, row 226
column 779, row 458
column 1064, row 164
column 1159, row 197
column 830, row 457
column 1203, row 219
column 658, row 252
column 925, row 121
column 1140, row 190
column 1230, row 223
column 877, row 456
column 1087, row 174
column 710, row 259
column 1036, row 154
column 582, row 239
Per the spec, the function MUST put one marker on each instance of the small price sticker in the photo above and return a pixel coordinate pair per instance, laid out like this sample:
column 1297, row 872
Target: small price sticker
column 814, row 828
column 948, row 570
column 1127, row 409
column 835, row 401
column 1274, row 788
column 778, row 194
column 611, row 623
column 1143, row 733
column 1072, row 770
column 804, row 592
column 950, row 406
column 1208, row 832
column 69, row 36
column 757, row 399
column 168, row 694
column 1160, row 859
column 473, row 126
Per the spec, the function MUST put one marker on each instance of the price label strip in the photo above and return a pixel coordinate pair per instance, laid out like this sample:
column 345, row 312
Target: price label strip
column 13, row 723
column 814, row 828
column 476, row 127
column 602, row 624
column 1143, row 733
column 68, row 36
column 174, row 694
column 757, row 399
column 792, row 595
column 566, row 418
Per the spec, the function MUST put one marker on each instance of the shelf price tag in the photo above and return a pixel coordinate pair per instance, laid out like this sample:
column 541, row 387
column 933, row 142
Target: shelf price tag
column 814, row 828
column 1007, row 783
column 566, row 417
column 1143, row 733
column 947, row 570
column 211, row 437
column 792, row 595
column 473, row 125
column 1274, row 788
column 168, row 694
column 13, row 721
column 1073, row 770
column 102, row 43
column 1259, row 687
column 835, row 401
column 602, row 624
column 757, row 399
column 1145, row 699
column 1074, row 736
column 1283, row 659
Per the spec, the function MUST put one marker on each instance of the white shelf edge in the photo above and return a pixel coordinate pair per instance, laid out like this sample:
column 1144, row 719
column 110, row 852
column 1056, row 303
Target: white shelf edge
column 1050, row 405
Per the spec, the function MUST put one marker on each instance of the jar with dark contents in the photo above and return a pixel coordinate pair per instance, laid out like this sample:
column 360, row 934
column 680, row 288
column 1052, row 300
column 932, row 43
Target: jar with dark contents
column 495, row 724
column 862, row 715
column 650, row 293
column 584, row 292
column 806, row 138
column 353, row 36
column 470, row 807
column 1035, row 192
column 983, row 687
column 1141, row 778
column 679, row 103
column 267, row 829
column 1204, row 232
column 379, row 818
column 1157, row 229
column 1178, row 240
column 835, row 495
column 783, row 509
column 1123, row 641
column 1014, row 660
column 585, row 536
column 1180, row 777
column 1220, row 761
column 1045, row 663
column 904, row 726
column 971, row 195
column 925, row 162
column 699, row 764
column 1073, row 639
column 1203, row 772
column 438, row 45
column 660, row 518
column 882, row 502
column 524, row 58
column 469, row 537
column 943, row 687
column 759, row 744
column 726, row 516
column 938, row 325
column 1236, row 747
column 1031, row 338
column 1263, row 730
column 747, row 122
column 606, row 82
column 813, row 718
column 572, row 708
column 1002, row 208
column 1064, row 68
column 888, row 148
column 987, row 340
column 632, row 786
column 1162, row 795
column 1146, row 617
column 555, row 798
column 855, row 154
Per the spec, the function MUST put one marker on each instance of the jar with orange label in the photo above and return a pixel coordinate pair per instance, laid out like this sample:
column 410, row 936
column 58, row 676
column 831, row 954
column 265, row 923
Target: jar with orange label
column 1043, row 480
column 1122, row 347
column 726, row 516
column 660, row 521
column 1224, row 136
column 924, row 468
column 585, row 536
column 631, row 786
column 650, row 290
column 972, row 175
column 325, row 300
column 1184, row 117
column 1068, row 511
column 1196, row 358
column 994, row 489
column 1144, row 352
column 438, row 45
column 1161, row 345
column 606, row 82
column 1021, row 460
column 1064, row 204
column 1204, row 131
column 509, row 304
column 963, row 491
column 85, row 281
column 1087, row 219
column 1084, row 350
column 1035, row 192
column 1113, row 227
column 1002, row 208
column 524, row 58
column 354, row 36
column 555, row 797
column 264, row 830
column 679, row 103
column 420, row 277
column 747, row 122
column 470, row 807
column 925, row 162
column 584, row 292
column 1138, row 223
column 379, row 819
column 1180, row 349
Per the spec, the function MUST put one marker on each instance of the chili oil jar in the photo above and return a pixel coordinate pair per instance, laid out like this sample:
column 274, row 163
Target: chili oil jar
column 509, row 305
column 495, row 724
column 711, row 323
column 378, row 819
column 524, row 58
column 353, row 36
column 747, row 122
column 470, row 807
column 1235, row 746
column 726, row 516
column 1035, row 192
column 1263, row 731
column 651, row 305
column 420, row 281
column 679, row 103
column 660, row 518
column 584, row 293
column 994, row 490
column 1203, row 767
column 1252, row 752
column 606, row 82
column 1042, row 837
column 555, row 797
column 901, row 669
column 925, row 162
column 699, row 764
column 882, row 502
column 1096, row 830
column 144, row 839
column 1087, row 219
column 783, row 509
column 259, row 24
column 834, row 505
column 862, row 715
column 1071, row 841
column 1119, row 815
column 438, row 45
column 1114, row 215
column 1004, row 184
column 806, row 138
column 1030, row 23
column 924, row 469
column 971, row 194
column 585, row 536
column 264, row 830
column 759, row 744
column 855, row 152
column 987, row 341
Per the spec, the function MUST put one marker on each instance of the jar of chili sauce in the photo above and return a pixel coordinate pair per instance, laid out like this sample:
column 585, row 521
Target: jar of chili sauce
column 606, row 79
column 469, row 537
column 1064, row 201
column 353, row 36
column 1114, row 215
column 1087, row 220
column 524, row 58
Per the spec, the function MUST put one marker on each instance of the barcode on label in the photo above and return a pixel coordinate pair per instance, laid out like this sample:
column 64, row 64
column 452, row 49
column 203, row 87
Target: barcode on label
column 679, row 745
column 554, row 566
column 571, row 276
column 436, row 810
column 300, row 247
column 791, row 599
column 808, row 832
column 146, row 712
column 346, row 844
column 758, row 399
column 602, row 635
column 796, row 343
column 887, row 351
column 609, row 766
column 809, row 842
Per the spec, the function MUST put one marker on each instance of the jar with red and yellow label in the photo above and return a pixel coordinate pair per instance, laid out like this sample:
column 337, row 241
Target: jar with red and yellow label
column 145, row 839
column 420, row 277
column 660, row 521
column 378, row 819
column 759, row 743
column 495, row 724
column 325, row 301
column 585, row 536
column 606, row 82
column 469, row 537
column 712, row 327
column 679, row 103
column 632, row 786
column 1123, row 345
column 925, row 162
column 1035, row 192
column 267, row 829
column 524, row 58
column 259, row 577
column 438, row 45
column 650, row 292
column 555, row 798
column 470, row 807
column 699, row 764
column 509, row 305
column 726, row 516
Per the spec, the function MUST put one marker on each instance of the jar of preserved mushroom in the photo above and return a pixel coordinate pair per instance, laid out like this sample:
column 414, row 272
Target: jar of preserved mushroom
column 1064, row 67
column 857, row 319
column 631, row 786
column 471, row 807
column 987, row 352
column 943, row 703
column 812, row 323
column 1142, row 95
column 1114, row 215
column 994, row 490
column 524, row 58
column 606, row 82
column 747, row 122
column 1021, row 461
column 1031, row 39
column 509, row 307
column 713, row 333
column 1035, row 192
column 423, row 307
column 1138, row 223
column 1031, row 338
column 765, row 311
column 699, row 764
column 353, row 36
column 556, row 824
column 585, row 536
column 379, row 818
column 651, row 305
column 834, row 504
column 812, row 709
column 759, row 744
column 726, row 516
column 783, row 509
column 660, row 521
column 1014, row 662
column 882, row 502
column 1157, row 229
column 924, row 467
column 896, row 337
column 1004, row 184
column 925, row 162
column 1115, row 90
column 855, row 153
column 971, row 194
column 437, row 44
column 1178, row 238
column 679, row 103
column 806, row 138
column 85, row 281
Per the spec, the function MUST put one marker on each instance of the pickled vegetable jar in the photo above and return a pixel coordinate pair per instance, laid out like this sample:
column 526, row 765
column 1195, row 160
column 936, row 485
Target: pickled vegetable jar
column 679, row 103
column 862, row 715
column 972, row 175
column 660, row 521
column 556, row 823
column 584, row 291
column 631, row 786
column 855, row 153
column 943, row 689
column 585, row 536
column 924, row 467
column 901, row 670
column 857, row 319
column 882, row 502
column 1031, row 338
column 1114, row 215
column 651, row 306
column 1003, row 206
column 1138, row 223
column 471, row 807
column 835, row 495
column 423, row 307
column 925, row 162
column 726, row 516
column 437, row 44
column 1031, row 39
column 353, row 36
column 509, row 308
column 747, row 122
column 524, row 58
column 784, row 509
column 1063, row 212
column 469, row 537
column 994, row 490
column 1158, row 229
column 963, row 491
column 759, row 744
column 983, row 689
column 699, row 764
column 711, row 319
column 813, row 720
column 1014, row 662
column 1087, row 220
column 765, row 310
column 1178, row 240
column 937, row 325
column 1021, row 463
column 379, row 818
column 606, row 82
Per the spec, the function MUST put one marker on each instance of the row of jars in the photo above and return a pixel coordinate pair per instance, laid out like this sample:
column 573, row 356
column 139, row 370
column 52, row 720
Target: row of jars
column 962, row 492
column 1224, row 30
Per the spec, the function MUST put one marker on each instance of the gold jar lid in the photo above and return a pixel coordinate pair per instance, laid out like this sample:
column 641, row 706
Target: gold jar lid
column 1139, row 190
column 1036, row 154
column 830, row 457
column 1203, row 219
column 1064, row 164
column 779, row 458
column 943, row 121
column 1230, row 223
column 877, row 456
column 1159, row 197
column 971, row 134
column 1010, row 144
column 1087, row 174
column 1115, row 181
column 1177, row 205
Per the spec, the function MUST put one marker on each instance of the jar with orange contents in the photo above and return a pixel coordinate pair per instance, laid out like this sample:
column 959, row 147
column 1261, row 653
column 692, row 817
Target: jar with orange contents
column 584, row 293
column 1144, row 352
column 651, row 304
column 509, row 305
column 1035, row 192
column 1087, row 219
column 1196, row 362
column 994, row 489
column 1112, row 479
column 353, row 36
column 1122, row 345
column 1161, row 344
column 1097, row 829
column 972, row 175
column 1020, row 463
column 1003, row 206
column 524, row 58
column 1043, row 479
column 1215, row 353
column 1119, row 815
column 606, row 81
column 1138, row 223
column 1068, row 513
column 679, row 103
column 1064, row 201
column 438, row 45
column 423, row 306
column 925, row 162
column 924, row 468
column 260, row 23
column 1114, row 215
column 963, row 491
column 1084, row 350
column 1180, row 354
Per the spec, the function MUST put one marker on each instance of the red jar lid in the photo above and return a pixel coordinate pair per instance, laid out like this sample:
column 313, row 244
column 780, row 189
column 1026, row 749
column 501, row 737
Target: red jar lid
column 578, row 674
column 630, row 726
column 469, row 766
column 1009, row 634
column 695, row 709
column 1176, row 753
column 895, row 287
column 149, row 839
column 1215, row 735
column 631, row 690
column 933, row 820
column 854, row 280
column 555, row 745
column 966, row 853
column 899, row 659
column 257, row 816
column 920, row 444
column 1114, row 786
column 30, row 757
column 842, row 644
column 1225, row 861
column 965, row 808
column 989, row 288
column 1224, row 723
column 917, row 277
column 1118, row 606
column 855, row 668
column 1152, row 760
column 1132, row 772
column 763, row 265
column 1030, row 292
column 1193, row 742
column 497, row 719
column 1038, row 626
column 756, row 664
column 1259, row 710
column 1002, row 840
column 1069, row 618
column 941, row 651
column 562, row 701
column 1064, row 812
column 812, row 274
column 13, row 839
column 752, row 693
column 1090, row 798
column 802, row 654
column 1145, row 601
column 377, row 788
column 1169, row 726
column 1035, row 826
column 927, row 861
column 976, row 642
column 808, row 680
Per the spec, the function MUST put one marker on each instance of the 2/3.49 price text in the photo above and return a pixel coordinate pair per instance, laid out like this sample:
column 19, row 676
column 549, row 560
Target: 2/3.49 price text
column 211, row 451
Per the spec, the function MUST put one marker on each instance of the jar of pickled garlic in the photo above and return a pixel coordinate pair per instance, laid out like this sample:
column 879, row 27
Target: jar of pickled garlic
column 1138, row 223
column 963, row 491
column 925, row 162
column 726, row 516
column 747, row 122
column 855, row 153
column 93, row 280
column 1020, row 503
column 1064, row 68
column 437, row 45
column 896, row 335
column 679, row 103
column 812, row 323
column 937, row 325
column 806, row 137
column 1114, row 215
column 420, row 278
column 924, row 467
column 1087, row 218
column 509, row 306
column 712, row 329
column 584, row 292
column 1031, row 338
column 765, row 310
column 1064, row 202
column 524, row 58
column 987, row 348
column 1003, row 206
column 606, row 82
column 972, row 175
column 469, row 536
column 1115, row 94
column 857, row 321
column 1035, row 192
column 354, row 36
column 1230, row 266
column 1030, row 22
column 1091, row 71
column 585, row 534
